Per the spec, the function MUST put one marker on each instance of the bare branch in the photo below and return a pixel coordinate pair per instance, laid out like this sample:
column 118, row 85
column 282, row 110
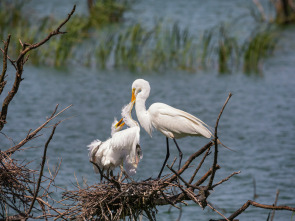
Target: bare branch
column 191, row 158
column 216, row 144
column 215, row 210
column 19, row 68
column 264, row 206
column 41, row 170
column 51, row 34
column 225, row 179
column 199, row 166
column 275, row 203
column 34, row 133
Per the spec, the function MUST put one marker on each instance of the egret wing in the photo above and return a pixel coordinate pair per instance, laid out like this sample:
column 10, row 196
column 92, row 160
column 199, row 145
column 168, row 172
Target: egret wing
column 180, row 123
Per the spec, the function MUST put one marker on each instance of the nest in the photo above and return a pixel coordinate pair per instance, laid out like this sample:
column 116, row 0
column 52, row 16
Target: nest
column 14, row 184
column 114, row 199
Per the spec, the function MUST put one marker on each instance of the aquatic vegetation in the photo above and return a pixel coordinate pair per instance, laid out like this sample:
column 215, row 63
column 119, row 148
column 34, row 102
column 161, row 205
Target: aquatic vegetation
column 60, row 50
column 137, row 48
column 104, row 12
column 259, row 45
column 89, row 40
column 280, row 12
column 227, row 51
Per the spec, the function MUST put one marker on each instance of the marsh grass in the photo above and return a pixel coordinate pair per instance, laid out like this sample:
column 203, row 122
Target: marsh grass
column 63, row 48
column 137, row 48
column 280, row 12
column 92, row 40
column 228, row 51
column 259, row 46
column 221, row 48
column 104, row 12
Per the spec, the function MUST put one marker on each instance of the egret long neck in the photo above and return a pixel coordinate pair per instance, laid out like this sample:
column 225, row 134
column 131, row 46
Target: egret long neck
column 129, row 120
column 143, row 115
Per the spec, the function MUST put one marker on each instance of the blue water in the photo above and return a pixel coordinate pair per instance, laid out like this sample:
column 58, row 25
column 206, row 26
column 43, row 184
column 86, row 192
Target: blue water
column 258, row 122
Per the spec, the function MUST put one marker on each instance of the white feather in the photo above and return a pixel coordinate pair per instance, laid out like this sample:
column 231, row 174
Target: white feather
column 120, row 148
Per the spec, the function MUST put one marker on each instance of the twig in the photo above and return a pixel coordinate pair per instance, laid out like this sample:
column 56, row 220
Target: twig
column 18, row 65
column 33, row 134
column 190, row 159
column 206, row 175
column 51, row 34
column 253, row 203
column 215, row 210
column 41, row 171
column 216, row 144
column 275, row 203
column 199, row 166
column 225, row 179
column 186, row 183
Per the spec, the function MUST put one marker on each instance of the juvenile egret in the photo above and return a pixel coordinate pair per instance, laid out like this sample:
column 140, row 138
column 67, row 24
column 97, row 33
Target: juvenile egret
column 171, row 122
column 122, row 148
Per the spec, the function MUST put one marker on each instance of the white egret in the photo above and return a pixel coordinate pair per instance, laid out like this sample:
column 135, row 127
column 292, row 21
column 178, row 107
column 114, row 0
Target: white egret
column 122, row 148
column 171, row 122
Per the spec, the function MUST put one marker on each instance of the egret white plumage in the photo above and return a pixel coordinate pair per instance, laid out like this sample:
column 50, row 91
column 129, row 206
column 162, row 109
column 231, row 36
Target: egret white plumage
column 171, row 122
column 122, row 148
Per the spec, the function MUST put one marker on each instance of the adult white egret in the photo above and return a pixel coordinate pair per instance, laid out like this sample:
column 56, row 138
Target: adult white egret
column 122, row 148
column 171, row 122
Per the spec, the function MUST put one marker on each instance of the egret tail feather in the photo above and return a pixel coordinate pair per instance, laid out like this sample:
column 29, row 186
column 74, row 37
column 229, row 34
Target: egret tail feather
column 219, row 142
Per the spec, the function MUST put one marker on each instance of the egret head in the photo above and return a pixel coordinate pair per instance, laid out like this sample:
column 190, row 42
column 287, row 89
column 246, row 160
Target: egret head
column 117, row 125
column 139, row 86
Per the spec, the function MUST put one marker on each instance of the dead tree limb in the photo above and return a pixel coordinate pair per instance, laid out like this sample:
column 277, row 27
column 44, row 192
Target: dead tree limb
column 216, row 144
column 19, row 190
column 19, row 64
column 264, row 206
column 4, row 68
column 275, row 203
column 41, row 171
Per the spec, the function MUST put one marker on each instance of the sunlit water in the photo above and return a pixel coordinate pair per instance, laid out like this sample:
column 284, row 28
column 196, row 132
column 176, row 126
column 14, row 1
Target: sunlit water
column 258, row 122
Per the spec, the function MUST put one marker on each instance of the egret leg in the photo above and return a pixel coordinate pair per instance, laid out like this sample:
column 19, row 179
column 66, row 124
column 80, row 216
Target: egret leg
column 167, row 156
column 180, row 153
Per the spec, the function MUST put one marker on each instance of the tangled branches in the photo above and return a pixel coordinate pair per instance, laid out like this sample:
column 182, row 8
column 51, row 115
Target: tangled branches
column 21, row 187
column 116, row 199
column 14, row 183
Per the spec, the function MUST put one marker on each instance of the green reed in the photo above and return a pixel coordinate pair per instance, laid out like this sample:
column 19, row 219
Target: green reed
column 228, row 51
column 137, row 48
column 134, row 47
column 258, row 46
column 107, row 12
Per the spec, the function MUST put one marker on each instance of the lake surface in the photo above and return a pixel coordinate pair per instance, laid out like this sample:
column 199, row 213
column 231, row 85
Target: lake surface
column 258, row 122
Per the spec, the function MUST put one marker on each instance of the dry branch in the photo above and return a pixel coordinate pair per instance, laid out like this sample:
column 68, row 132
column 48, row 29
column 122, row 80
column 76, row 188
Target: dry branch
column 216, row 144
column 264, row 206
column 41, row 170
column 32, row 135
column 4, row 68
column 19, row 64
column 19, row 188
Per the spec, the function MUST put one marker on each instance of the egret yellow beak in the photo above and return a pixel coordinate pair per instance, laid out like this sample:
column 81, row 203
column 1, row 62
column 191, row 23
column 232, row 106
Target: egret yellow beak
column 133, row 95
column 120, row 123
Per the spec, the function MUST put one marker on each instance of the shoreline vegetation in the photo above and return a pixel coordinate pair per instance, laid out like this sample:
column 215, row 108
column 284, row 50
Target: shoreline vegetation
column 101, row 39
